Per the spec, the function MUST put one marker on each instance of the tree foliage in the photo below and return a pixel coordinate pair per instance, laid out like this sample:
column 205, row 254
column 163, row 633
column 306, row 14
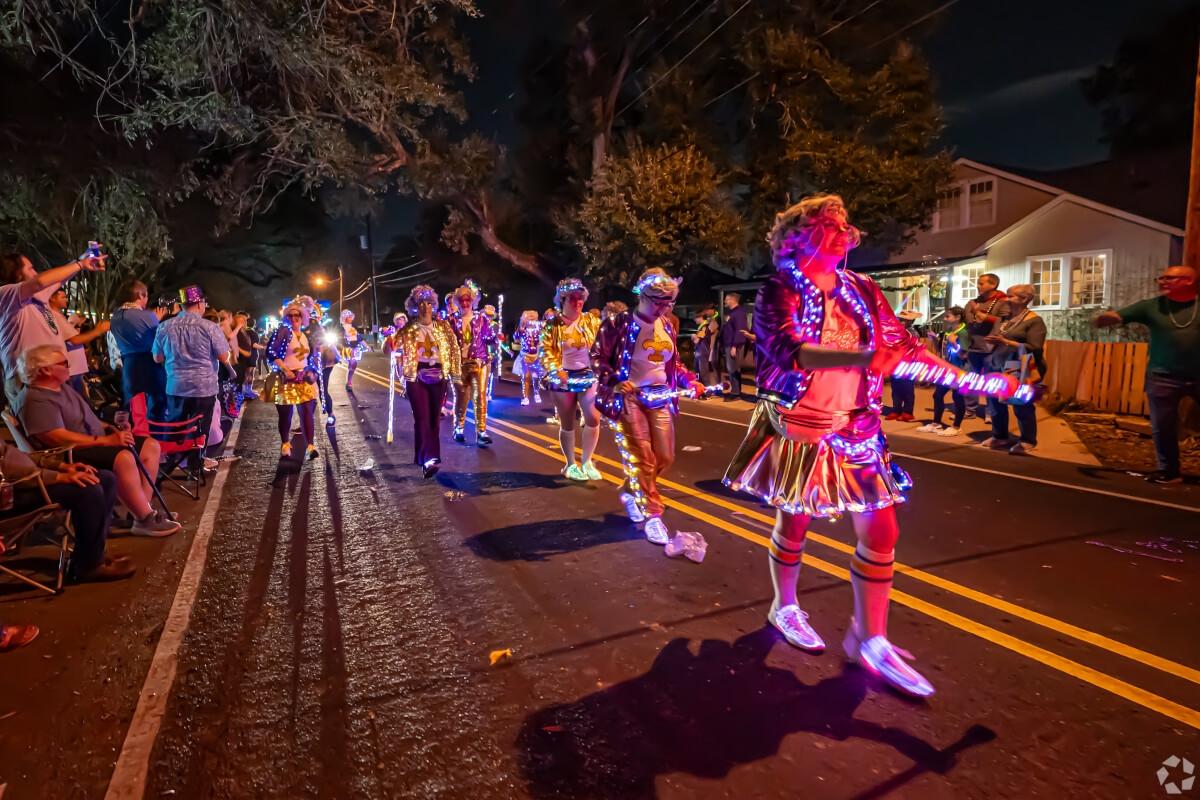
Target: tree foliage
column 656, row 206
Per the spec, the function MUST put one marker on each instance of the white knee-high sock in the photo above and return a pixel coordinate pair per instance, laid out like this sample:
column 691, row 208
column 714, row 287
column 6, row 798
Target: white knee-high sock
column 871, row 576
column 566, row 441
column 591, row 437
column 784, row 558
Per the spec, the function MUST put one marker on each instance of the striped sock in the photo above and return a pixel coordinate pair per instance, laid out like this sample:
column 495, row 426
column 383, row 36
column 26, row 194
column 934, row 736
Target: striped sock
column 785, row 553
column 871, row 576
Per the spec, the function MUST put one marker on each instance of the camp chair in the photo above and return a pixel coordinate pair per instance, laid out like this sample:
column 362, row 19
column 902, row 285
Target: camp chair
column 183, row 444
column 15, row 530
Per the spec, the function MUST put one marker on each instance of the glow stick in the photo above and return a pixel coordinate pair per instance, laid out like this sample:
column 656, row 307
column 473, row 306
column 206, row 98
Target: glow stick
column 391, row 394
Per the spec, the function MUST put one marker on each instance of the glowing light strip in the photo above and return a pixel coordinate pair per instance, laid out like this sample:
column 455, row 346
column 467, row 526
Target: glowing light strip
column 991, row 385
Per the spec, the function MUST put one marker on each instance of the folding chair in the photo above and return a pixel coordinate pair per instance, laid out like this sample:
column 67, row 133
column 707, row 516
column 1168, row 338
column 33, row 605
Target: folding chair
column 22, row 440
column 178, row 442
column 16, row 529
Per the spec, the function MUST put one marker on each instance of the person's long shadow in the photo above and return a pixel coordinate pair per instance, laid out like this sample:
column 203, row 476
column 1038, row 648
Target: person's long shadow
column 478, row 484
column 538, row 541
column 705, row 715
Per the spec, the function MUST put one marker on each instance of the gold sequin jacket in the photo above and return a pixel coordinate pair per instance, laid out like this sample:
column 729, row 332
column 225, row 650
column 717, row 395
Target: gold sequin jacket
column 447, row 346
column 550, row 350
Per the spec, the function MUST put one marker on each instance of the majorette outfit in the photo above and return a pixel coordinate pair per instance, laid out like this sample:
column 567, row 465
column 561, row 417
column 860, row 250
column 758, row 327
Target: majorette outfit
column 631, row 348
column 429, row 360
column 566, row 347
column 815, row 445
column 353, row 346
column 290, row 349
column 475, row 340
column 526, row 364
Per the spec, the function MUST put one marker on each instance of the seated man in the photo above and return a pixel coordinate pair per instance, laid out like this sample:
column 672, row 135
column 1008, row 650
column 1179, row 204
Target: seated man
column 89, row 495
column 55, row 415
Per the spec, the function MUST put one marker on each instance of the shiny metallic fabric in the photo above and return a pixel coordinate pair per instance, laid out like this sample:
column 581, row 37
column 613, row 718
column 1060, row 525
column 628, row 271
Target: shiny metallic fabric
column 288, row 393
column 823, row 474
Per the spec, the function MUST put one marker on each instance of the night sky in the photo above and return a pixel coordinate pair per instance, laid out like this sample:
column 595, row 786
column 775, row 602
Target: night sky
column 1008, row 72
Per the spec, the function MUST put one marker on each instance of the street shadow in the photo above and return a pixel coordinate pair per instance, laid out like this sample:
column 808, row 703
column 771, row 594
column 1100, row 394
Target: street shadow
column 478, row 484
column 705, row 715
column 714, row 486
column 538, row 541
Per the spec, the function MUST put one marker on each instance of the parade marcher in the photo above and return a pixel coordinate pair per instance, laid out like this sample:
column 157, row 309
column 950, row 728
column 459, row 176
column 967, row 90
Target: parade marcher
column 295, row 374
column 826, row 337
column 429, row 360
column 353, row 346
column 566, row 361
column 639, row 376
column 476, row 337
column 526, row 364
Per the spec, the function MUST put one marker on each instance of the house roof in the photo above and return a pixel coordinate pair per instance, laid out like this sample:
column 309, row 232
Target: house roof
column 1065, row 199
column 1149, row 189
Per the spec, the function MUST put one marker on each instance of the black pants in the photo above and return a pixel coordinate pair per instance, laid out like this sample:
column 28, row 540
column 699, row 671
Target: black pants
column 733, row 365
column 1165, row 392
column 91, row 510
column 904, row 396
column 977, row 363
column 704, row 366
column 141, row 374
column 326, row 400
column 181, row 408
column 426, row 400
column 939, row 405
column 307, row 411
column 1026, row 414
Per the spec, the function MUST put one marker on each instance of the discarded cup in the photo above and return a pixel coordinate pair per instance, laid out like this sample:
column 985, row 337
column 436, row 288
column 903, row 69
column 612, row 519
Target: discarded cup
column 689, row 544
column 367, row 465
column 692, row 448
column 373, row 437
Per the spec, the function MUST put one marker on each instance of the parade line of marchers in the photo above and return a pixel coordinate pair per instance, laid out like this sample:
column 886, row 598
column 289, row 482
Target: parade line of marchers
column 825, row 337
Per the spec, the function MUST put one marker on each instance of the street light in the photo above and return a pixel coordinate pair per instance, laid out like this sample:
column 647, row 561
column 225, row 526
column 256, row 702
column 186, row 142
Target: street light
column 320, row 281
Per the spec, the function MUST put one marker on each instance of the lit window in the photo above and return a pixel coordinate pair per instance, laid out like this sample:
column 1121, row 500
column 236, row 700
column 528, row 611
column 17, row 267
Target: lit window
column 1046, row 276
column 981, row 206
column 965, row 288
column 1087, row 279
column 949, row 211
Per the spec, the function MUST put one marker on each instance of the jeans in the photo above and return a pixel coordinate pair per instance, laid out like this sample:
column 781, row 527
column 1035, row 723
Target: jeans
column 1164, row 393
column 704, row 367
column 939, row 405
column 91, row 510
column 1026, row 414
column 977, row 362
column 904, row 396
column 426, row 400
column 733, row 365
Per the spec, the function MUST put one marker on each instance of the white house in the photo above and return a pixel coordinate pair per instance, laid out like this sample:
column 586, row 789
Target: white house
column 1079, row 253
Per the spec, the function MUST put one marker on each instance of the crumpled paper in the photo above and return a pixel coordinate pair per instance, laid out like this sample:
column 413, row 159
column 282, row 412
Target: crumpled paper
column 689, row 544
column 497, row 656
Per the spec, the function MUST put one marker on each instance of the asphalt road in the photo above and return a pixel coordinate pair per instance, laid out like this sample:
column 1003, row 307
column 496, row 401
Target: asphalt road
column 340, row 644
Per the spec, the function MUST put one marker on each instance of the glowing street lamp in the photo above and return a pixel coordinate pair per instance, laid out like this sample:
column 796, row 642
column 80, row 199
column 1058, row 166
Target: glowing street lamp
column 320, row 281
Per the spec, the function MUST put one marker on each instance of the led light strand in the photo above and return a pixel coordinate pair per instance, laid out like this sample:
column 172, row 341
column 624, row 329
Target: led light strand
column 629, row 465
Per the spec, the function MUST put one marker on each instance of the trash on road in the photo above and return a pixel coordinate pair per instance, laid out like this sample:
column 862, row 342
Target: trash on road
column 496, row 656
column 367, row 465
column 689, row 544
column 692, row 448
column 552, row 728
column 373, row 437
column 454, row 495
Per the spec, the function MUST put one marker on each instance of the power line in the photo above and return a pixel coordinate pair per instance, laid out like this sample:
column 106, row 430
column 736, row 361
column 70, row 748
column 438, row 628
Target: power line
column 914, row 23
column 850, row 18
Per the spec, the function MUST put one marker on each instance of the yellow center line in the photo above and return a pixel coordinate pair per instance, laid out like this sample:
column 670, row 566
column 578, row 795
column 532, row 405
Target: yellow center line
column 1095, row 677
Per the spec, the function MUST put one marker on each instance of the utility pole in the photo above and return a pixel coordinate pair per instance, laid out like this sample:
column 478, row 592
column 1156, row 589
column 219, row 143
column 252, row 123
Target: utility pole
column 369, row 246
column 1191, row 237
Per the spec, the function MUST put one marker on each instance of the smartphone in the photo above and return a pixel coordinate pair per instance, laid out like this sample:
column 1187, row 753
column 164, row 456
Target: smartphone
column 94, row 249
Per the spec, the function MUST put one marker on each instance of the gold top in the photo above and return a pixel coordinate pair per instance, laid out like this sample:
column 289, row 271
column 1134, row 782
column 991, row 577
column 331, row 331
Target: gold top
column 552, row 339
column 444, row 339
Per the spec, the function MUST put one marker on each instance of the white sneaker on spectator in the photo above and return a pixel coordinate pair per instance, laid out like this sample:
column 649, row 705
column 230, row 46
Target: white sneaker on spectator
column 1022, row 449
column 949, row 430
column 932, row 427
column 211, row 464
column 996, row 444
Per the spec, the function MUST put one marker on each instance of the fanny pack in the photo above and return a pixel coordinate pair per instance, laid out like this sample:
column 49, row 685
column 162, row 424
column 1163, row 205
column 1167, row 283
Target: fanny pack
column 578, row 381
column 431, row 374
column 655, row 396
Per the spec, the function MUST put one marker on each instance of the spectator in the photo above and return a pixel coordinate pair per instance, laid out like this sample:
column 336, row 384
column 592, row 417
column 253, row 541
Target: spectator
column 904, row 390
column 133, row 329
column 87, row 493
column 735, row 336
column 247, row 354
column 55, row 415
column 242, row 348
column 25, row 320
column 1173, row 371
column 702, row 344
column 75, row 341
column 950, row 345
column 1017, row 347
column 191, row 348
column 983, row 314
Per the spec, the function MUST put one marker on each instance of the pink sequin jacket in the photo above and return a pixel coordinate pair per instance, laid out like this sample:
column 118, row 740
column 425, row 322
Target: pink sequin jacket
column 611, row 355
column 483, row 336
column 789, row 313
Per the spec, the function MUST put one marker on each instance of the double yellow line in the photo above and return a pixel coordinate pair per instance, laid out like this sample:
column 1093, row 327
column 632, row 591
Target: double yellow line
column 522, row 436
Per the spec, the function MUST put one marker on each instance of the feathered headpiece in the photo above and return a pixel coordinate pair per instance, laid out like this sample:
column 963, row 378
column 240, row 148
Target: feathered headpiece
column 471, row 289
column 565, row 287
column 346, row 314
column 656, row 284
column 421, row 293
column 307, row 307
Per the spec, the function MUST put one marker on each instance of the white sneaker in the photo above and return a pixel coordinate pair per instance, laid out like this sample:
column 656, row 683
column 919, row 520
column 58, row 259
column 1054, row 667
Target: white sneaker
column 949, row 430
column 889, row 662
column 634, row 513
column 537, row 398
column 656, row 531
column 792, row 622
column 1023, row 449
column 524, row 401
column 932, row 427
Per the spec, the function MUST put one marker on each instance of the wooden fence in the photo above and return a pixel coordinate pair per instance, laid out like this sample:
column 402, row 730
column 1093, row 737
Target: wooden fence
column 1107, row 376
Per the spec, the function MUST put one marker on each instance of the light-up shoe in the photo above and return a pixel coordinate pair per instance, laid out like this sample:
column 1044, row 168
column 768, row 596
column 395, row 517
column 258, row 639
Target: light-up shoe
column 590, row 472
column 792, row 622
column 574, row 473
column 634, row 513
column 656, row 531
column 889, row 662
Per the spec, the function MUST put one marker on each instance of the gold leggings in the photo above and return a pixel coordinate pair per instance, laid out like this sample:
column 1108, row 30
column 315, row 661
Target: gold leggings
column 647, row 451
column 473, row 387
